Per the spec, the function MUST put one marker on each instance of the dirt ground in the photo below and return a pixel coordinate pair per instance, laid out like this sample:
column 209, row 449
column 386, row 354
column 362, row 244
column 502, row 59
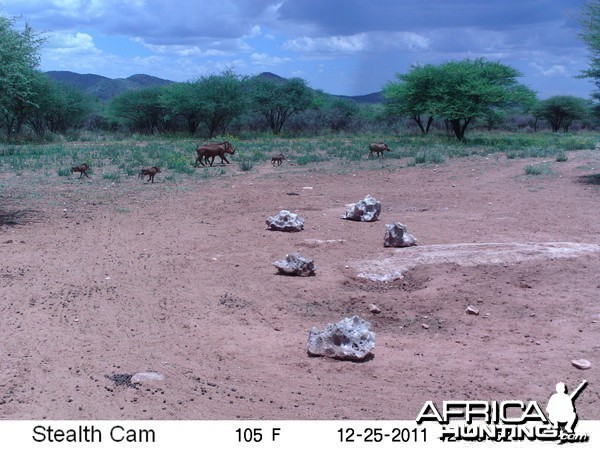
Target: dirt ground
column 100, row 280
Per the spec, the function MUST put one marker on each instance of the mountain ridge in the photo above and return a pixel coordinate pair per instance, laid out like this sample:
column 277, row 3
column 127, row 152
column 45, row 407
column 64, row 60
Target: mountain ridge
column 105, row 88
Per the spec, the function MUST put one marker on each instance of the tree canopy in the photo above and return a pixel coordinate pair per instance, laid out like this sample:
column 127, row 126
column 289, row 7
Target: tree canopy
column 561, row 111
column 276, row 101
column 589, row 19
column 19, row 59
column 457, row 91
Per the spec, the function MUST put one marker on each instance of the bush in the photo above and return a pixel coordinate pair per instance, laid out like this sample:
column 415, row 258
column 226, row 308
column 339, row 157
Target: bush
column 245, row 165
column 561, row 157
column 540, row 169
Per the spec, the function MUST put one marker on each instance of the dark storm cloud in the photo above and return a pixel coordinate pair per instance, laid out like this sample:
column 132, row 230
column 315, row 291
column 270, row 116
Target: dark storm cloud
column 353, row 16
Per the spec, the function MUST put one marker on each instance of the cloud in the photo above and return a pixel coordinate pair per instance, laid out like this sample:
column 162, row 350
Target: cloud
column 555, row 70
column 357, row 43
column 262, row 59
column 74, row 43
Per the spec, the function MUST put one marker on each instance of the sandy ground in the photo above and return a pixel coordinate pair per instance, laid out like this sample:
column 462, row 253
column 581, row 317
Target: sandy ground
column 101, row 280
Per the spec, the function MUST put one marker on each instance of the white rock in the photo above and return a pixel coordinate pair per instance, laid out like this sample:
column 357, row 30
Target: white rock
column 472, row 310
column 374, row 309
column 285, row 221
column 366, row 210
column 581, row 363
column 140, row 377
column 396, row 235
column 350, row 338
column 296, row 264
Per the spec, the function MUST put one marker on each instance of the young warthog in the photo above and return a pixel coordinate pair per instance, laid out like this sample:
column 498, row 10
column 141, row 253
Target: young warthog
column 150, row 172
column 82, row 169
column 379, row 148
column 210, row 151
column 278, row 159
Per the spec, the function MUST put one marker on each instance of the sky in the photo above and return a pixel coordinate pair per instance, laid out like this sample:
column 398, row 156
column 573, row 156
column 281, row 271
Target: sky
column 344, row 47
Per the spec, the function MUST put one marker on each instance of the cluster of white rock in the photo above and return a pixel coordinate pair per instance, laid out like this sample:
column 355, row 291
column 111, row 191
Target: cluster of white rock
column 350, row 338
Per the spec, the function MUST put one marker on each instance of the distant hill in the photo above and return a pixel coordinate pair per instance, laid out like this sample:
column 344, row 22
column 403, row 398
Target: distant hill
column 375, row 97
column 105, row 88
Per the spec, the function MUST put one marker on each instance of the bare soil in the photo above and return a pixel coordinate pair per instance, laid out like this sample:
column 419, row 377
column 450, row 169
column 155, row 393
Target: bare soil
column 100, row 280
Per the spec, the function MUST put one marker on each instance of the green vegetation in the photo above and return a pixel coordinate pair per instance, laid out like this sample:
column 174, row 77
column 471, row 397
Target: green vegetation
column 245, row 165
column 457, row 92
column 590, row 22
column 561, row 157
column 562, row 110
column 538, row 169
column 121, row 159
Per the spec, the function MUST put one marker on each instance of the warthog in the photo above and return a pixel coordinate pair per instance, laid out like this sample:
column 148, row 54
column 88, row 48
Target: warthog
column 150, row 172
column 378, row 148
column 210, row 151
column 82, row 169
column 278, row 159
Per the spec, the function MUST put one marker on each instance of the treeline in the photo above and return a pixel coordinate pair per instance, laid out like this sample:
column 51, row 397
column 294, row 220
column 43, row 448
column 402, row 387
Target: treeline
column 450, row 97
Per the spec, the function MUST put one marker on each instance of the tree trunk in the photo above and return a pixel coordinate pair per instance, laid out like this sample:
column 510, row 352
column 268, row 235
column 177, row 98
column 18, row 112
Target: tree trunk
column 429, row 122
column 458, row 131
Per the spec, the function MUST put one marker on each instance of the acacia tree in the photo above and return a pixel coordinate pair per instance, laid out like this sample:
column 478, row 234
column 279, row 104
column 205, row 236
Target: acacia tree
column 590, row 22
column 276, row 101
column 140, row 110
column 213, row 100
column 18, row 61
column 561, row 111
column 457, row 91
column 180, row 100
column 405, row 99
column 221, row 99
column 60, row 107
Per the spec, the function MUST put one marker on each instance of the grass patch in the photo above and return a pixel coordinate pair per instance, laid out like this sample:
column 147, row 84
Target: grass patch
column 112, row 176
column 245, row 165
column 431, row 156
column 539, row 169
column 561, row 157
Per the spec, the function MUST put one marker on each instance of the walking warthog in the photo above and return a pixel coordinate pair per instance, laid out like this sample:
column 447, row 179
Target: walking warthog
column 379, row 148
column 150, row 172
column 82, row 169
column 278, row 159
column 210, row 151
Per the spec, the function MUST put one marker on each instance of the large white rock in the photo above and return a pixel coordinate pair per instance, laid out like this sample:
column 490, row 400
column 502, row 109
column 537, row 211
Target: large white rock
column 296, row 264
column 285, row 221
column 396, row 235
column 366, row 210
column 350, row 338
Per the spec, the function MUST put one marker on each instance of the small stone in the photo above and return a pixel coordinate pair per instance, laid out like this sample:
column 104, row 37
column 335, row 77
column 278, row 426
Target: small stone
column 582, row 364
column 424, row 325
column 374, row 309
column 472, row 310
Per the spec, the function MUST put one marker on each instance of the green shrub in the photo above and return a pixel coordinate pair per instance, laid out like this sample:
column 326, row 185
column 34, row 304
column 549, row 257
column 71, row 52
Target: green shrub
column 245, row 165
column 540, row 169
column 561, row 157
